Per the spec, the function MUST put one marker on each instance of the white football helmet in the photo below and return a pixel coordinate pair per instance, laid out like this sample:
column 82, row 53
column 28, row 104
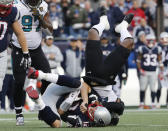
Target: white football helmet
column 99, row 114
column 151, row 40
column 164, row 38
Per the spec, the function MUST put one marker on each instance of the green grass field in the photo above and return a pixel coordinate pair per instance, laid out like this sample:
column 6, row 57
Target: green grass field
column 132, row 120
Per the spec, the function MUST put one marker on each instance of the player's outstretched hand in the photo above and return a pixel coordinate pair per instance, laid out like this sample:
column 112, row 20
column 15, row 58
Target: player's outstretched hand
column 83, row 107
column 26, row 61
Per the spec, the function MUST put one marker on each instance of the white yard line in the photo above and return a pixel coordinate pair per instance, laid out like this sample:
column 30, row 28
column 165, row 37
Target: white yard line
column 144, row 125
column 13, row 119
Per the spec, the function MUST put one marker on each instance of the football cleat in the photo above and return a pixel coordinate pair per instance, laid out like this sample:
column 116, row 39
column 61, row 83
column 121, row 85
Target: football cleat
column 125, row 23
column 103, row 11
column 104, row 18
column 128, row 18
column 32, row 73
column 32, row 93
column 19, row 120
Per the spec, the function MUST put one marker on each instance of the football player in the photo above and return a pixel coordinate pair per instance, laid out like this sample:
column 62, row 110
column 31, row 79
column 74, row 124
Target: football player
column 149, row 57
column 9, row 16
column 33, row 18
column 68, row 104
column 164, row 45
column 101, row 73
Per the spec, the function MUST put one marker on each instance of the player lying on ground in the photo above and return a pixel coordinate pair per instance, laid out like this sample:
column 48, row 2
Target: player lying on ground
column 68, row 105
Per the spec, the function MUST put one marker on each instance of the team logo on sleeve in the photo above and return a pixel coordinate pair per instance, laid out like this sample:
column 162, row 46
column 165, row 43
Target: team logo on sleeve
column 41, row 9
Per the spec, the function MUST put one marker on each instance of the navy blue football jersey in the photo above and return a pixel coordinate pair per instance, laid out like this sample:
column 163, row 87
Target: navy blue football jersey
column 149, row 59
column 164, row 54
column 6, row 28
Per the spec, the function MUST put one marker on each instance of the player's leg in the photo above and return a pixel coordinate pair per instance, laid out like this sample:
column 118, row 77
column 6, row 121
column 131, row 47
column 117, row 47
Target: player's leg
column 3, row 61
column 158, row 93
column 152, row 83
column 93, row 54
column 143, row 81
column 118, row 57
column 47, row 112
column 51, row 96
column 61, row 80
column 19, row 74
column 40, row 62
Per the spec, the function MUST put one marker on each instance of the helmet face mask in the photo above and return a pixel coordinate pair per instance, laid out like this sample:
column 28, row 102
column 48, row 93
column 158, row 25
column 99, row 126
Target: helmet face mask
column 164, row 38
column 99, row 114
column 151, row 41
column 5, row 7
column 33, row 3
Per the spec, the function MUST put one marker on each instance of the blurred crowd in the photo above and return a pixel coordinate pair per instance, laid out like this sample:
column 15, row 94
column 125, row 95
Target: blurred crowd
column 72, row 18
column 75, row 17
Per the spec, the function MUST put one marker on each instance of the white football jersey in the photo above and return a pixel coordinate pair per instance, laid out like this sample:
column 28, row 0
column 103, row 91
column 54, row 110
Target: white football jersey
column 30, row 24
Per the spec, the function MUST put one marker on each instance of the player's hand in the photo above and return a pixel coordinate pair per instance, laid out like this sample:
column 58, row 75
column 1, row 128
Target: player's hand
column 83, row 107
column 26, row 61
column 142, row 72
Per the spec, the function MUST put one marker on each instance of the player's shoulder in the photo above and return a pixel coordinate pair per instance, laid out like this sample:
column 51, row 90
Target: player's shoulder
column 14, row 12
column 20, row 4
column 44, row 5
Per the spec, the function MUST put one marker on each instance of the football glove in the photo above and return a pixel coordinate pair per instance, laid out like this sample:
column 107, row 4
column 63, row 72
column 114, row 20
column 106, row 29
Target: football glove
column 26, row 61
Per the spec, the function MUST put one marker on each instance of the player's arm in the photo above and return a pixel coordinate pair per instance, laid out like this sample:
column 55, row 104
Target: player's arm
column 138, row 61
column 20, row 36
column 84, row 94
column 45, row 22
column 161, row 66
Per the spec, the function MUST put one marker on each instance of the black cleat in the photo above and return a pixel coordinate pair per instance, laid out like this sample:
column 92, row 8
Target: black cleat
column 128, row 18
column 103, row 11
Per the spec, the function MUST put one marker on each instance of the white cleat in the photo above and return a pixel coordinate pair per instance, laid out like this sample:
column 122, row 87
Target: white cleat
column 125, row 23
column 20, row 121
column 104, row 19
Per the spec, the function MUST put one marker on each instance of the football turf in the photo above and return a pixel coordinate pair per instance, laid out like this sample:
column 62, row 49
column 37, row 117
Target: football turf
column 132, row 120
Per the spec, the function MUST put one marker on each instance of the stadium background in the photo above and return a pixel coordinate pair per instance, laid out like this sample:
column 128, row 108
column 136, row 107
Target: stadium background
column 64, row 31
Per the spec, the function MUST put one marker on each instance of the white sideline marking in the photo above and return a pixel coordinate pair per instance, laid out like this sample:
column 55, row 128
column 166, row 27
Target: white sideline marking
column 143, row 125
column 13, row 119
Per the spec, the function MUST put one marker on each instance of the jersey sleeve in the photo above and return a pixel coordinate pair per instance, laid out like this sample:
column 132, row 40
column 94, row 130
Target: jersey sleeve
column 140, row 50
column 15, row 14
column 159, row 50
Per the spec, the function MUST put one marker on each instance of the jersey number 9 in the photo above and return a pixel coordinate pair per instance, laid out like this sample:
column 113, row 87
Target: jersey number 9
column 27, row 22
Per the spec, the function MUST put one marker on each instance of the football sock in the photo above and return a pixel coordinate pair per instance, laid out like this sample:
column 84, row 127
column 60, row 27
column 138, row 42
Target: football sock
column 48, row 77
column 124, row 34
column 158, row 93
column 101, row 26
column 153, row 96
column 142, row 95
column 40, row 103
column 18, row 111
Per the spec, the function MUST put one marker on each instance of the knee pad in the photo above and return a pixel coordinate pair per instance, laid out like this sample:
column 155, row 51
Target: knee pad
column 48, row 116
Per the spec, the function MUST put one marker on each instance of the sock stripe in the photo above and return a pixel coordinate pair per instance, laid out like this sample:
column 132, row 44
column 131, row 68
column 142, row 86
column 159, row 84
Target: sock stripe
column 18, row 108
